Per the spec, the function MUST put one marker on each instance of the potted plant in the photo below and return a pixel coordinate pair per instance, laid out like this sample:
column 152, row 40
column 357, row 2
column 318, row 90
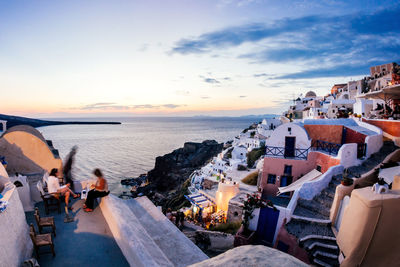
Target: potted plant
column 346, row 180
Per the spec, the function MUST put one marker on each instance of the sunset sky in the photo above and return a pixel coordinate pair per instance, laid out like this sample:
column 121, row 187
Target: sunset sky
column 184, row 58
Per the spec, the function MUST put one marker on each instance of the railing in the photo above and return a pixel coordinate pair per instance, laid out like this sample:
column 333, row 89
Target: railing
column 317, row 145
column 330, row 148
column 280, row 152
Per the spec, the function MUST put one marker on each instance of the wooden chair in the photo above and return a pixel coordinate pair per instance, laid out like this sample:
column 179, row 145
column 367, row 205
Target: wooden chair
column 48, row 199
column 44, row 222
column 41, row 240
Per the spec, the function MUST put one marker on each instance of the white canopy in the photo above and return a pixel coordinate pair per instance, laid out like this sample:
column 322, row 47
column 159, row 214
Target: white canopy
column 389, row 173
column 299, row 182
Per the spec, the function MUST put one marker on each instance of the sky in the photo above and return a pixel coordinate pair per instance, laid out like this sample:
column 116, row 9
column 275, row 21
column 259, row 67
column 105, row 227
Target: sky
column 185, row 58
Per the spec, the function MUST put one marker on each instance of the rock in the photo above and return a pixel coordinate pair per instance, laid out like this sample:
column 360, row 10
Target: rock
column 172, row 169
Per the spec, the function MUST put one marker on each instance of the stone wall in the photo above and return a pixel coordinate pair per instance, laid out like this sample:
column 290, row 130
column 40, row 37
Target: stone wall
column 235, row 212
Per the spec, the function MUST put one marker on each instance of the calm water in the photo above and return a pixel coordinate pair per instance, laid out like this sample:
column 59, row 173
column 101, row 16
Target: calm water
column 130, row 149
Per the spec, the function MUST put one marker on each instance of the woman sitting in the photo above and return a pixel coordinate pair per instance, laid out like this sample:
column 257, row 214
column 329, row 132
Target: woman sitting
column 54, row 188
column 100, row 190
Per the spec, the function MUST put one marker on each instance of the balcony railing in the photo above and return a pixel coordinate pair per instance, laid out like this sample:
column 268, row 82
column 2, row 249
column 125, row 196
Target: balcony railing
column 280, row 152
column 330, row 148
column 317, row 145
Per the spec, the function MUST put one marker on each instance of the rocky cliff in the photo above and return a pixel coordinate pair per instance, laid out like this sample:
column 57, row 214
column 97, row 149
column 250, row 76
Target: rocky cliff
column 171, row 170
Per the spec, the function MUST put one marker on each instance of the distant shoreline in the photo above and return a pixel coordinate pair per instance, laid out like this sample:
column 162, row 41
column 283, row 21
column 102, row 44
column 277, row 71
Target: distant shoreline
column 17, row 120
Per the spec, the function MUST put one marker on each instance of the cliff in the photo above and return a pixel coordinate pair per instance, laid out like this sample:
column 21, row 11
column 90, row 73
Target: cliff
column 172, row 169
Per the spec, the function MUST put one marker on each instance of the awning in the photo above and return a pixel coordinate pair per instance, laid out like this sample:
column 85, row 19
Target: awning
column 389, row 173
column 299, row 182
column 200, row 200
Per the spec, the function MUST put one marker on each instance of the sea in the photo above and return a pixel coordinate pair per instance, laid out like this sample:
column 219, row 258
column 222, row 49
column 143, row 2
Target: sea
column 130, row 149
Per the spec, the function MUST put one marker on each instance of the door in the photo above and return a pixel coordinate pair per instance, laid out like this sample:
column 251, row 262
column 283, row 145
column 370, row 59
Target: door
column 289, row 146
column 267, row 224
column 285, row 181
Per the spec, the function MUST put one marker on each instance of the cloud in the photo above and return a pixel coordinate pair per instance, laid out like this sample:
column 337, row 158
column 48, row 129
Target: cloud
column 211, row 80
column 109, row 106
column 327, row 46
column 258, row 75
column 172, row 106
column 103, row 106
column 182, row 92
column 149, row 106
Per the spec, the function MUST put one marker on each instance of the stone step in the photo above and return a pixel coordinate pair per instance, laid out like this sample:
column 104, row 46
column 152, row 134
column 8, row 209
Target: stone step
column 301, row 227
column 319, row 262
column 321, row 245
column 172, row 242
column 315, row 207
column 326, row 257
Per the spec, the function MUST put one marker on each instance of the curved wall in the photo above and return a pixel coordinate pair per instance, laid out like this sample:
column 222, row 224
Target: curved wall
column 26, row 151
column 277, row 137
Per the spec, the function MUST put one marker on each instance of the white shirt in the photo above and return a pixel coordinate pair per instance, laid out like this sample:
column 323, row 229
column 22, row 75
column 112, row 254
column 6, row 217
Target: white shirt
column 53, row 184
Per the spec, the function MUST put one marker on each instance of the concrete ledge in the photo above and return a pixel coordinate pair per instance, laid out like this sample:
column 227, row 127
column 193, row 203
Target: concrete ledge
column 180, row 250
column 137, row 246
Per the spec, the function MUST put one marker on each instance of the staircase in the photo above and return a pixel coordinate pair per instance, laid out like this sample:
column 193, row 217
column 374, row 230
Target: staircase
column 319, row 206
column 146, row 236
column 311, row 225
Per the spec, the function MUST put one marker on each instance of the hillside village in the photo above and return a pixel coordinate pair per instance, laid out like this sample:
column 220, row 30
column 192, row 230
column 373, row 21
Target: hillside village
column 321, row 183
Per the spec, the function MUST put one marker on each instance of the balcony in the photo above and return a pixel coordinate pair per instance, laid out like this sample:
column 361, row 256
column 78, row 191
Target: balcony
column 302, row 154
column 330, row 148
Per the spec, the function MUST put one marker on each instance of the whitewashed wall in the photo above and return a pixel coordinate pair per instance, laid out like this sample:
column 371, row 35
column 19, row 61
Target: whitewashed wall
column 348, row 155
column 278, row 136
column 15, row 242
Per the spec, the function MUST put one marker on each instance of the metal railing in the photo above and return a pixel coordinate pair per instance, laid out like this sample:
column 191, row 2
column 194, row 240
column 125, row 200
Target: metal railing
column 280, row 152
column 330, row 148
column 298, row 153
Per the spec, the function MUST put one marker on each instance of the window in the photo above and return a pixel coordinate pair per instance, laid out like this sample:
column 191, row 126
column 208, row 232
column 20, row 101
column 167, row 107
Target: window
column 271, row 178
column 287, row 170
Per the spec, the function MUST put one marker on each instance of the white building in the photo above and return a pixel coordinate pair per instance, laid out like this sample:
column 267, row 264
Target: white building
column 267, row 126
column 339, row 104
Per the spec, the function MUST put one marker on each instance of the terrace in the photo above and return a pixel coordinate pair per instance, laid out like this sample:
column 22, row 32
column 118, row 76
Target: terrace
column 87, row 240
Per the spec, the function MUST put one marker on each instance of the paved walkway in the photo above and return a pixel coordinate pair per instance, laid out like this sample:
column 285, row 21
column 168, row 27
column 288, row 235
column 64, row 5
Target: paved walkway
column 87, row 241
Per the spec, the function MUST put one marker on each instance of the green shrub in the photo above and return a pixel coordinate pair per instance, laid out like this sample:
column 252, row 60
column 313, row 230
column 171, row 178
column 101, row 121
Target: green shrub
column 254, row 155
column 251, row 179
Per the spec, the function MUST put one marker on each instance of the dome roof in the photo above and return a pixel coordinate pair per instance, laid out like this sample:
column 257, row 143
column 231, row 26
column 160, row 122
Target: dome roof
column 311, row 94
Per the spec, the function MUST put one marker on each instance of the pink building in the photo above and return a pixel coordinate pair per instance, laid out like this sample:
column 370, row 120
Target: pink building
column 294, row 149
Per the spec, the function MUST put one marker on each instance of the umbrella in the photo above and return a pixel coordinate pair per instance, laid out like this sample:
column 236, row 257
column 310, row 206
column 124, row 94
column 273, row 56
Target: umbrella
column 389, row 173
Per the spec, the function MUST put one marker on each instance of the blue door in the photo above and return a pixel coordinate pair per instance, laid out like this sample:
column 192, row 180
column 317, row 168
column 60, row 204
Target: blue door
column 267, row 224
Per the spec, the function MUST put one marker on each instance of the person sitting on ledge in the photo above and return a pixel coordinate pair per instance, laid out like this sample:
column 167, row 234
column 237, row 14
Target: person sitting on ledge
column 54, row 188
column 100, row 190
